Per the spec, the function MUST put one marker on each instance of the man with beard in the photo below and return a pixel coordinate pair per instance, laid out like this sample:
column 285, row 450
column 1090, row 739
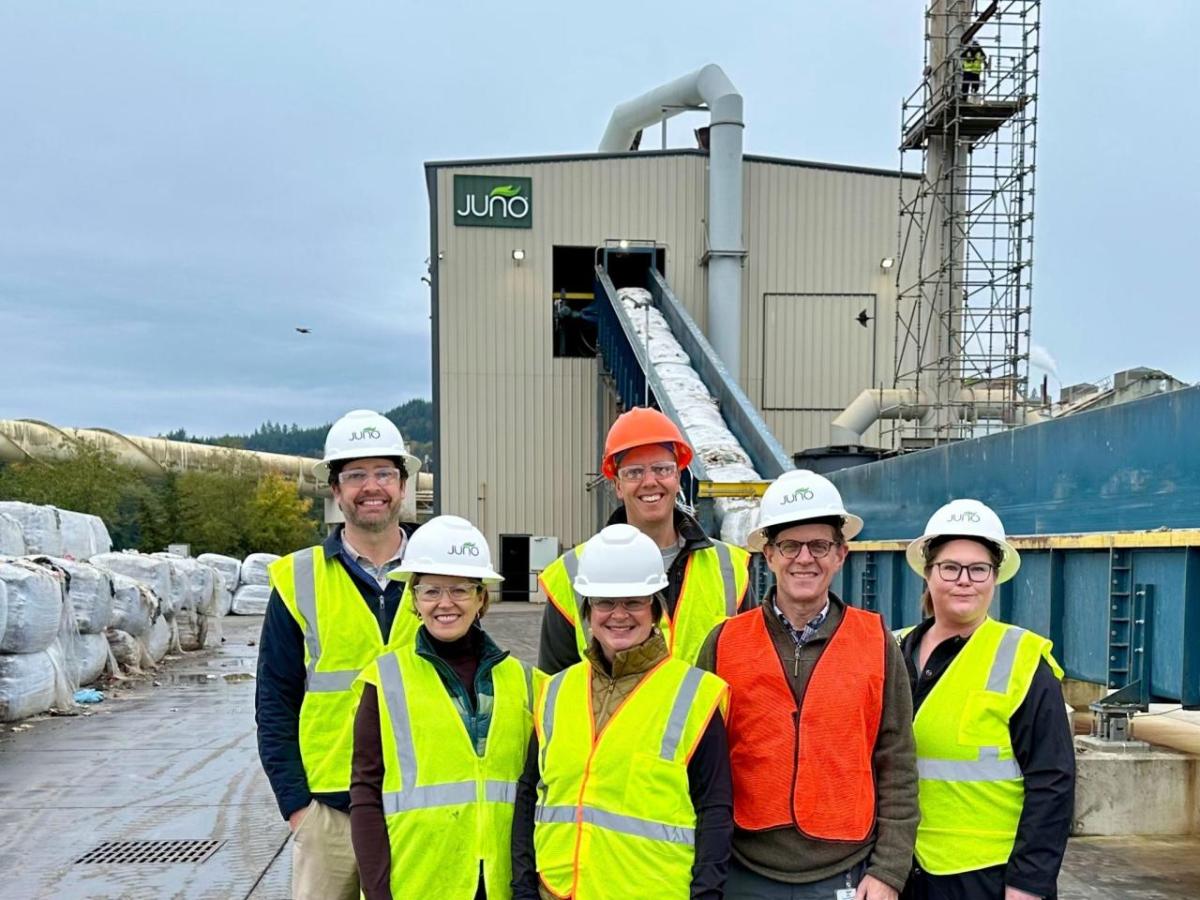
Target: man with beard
column 708, row 580
column 332, row 609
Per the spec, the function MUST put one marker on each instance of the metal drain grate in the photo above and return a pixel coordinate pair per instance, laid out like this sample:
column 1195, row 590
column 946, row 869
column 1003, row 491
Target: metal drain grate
column 151, row 852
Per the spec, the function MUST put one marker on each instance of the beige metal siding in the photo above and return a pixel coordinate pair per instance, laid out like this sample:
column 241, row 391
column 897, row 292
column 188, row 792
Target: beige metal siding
column 518, row 427
column 816, row 232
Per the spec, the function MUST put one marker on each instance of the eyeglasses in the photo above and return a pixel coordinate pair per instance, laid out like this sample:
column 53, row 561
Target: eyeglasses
column 359, row 477
column 976, row 572
column 630, row 604
column 817, row 549
column 458, row 593
column 660, row 470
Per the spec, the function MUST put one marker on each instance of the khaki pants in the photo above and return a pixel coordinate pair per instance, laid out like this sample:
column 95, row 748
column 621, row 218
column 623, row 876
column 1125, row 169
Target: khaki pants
column 323, row 866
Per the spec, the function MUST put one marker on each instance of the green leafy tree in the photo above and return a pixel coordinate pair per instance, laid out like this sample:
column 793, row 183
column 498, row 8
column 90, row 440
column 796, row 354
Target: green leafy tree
column 212, row 511
column 278, row 519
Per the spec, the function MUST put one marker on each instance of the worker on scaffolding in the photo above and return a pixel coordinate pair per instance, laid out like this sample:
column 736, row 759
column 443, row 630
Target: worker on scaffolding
column 644, row 455
column 994, row 747
column 974, row 62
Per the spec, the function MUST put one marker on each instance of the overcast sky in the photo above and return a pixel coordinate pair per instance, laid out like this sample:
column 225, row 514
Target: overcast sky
column 182, row 183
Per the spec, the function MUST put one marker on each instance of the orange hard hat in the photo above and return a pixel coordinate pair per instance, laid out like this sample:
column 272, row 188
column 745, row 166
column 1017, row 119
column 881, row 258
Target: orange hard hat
column 638, row 427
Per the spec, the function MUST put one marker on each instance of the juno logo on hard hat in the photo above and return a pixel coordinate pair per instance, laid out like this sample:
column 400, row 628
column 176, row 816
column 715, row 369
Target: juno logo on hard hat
column 797, row 495
column 968, row 516
column 365, row 434
column 467, row 548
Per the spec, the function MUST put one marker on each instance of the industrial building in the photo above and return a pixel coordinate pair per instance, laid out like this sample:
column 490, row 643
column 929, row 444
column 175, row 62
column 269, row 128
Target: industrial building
column 521, row 398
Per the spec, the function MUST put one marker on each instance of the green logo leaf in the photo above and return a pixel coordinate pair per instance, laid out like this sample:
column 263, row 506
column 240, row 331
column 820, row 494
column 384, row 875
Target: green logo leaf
column 504, row 190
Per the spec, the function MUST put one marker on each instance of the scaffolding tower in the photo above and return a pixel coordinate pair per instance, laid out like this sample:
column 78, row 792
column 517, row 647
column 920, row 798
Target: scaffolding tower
column 964, row 278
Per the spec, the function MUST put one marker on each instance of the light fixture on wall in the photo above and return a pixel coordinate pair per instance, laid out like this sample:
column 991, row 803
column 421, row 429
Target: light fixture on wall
column 886, row 263
column 518, row 255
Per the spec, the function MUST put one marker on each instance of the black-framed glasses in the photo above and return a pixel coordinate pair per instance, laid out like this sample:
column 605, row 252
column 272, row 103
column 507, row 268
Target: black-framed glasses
column 817, row 549
column 431, row 593
column 359, row 477
column 629, row 604
column 660, row 470
column 976, row 572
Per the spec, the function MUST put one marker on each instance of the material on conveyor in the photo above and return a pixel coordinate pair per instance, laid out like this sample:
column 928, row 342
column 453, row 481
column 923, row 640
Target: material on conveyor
column 713, row 442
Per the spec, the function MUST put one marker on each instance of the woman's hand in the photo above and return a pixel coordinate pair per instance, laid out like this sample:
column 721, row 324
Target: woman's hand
column 1012, row 893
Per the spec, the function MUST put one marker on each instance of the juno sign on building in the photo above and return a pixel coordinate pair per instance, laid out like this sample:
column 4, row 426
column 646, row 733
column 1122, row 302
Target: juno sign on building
column 493, row 201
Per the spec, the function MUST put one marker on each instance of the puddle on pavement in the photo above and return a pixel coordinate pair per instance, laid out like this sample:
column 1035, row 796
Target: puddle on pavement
column 205, row 677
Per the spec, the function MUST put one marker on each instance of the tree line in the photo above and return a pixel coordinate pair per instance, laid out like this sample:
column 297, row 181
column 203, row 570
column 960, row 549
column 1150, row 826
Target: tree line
column 414, row 419
column 234, row 509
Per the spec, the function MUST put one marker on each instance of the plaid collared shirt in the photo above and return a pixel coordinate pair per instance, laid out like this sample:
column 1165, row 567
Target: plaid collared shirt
column 804, row 635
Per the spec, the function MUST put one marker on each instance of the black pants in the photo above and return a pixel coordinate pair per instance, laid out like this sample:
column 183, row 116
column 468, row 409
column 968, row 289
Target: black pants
column 970, row 83
column 982, row 884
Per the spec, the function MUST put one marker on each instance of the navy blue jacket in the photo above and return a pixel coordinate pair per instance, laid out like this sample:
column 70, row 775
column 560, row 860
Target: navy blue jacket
column 280, row 689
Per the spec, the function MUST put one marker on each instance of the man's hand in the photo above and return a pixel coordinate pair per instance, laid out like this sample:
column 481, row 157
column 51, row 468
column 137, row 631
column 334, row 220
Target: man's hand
column 871, row 888
column 1012, row 893
column 296, row 818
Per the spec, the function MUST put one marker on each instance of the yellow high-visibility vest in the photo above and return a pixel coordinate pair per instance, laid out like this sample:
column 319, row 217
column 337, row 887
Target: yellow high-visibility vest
column 714, row 586
column 971, row 789
column 614, row 818
column 341, row 636
column 449, row 811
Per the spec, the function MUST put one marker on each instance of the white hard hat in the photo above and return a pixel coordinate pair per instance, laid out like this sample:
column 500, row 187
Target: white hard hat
column 796, row 497
column 620, row 561
column 968, row 519
column 447, row 545
column 361, row 434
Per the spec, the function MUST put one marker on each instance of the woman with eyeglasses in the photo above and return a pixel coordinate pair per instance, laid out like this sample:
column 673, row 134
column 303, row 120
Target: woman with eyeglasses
column 440, row 735
column 626, row 791
column 995, row 753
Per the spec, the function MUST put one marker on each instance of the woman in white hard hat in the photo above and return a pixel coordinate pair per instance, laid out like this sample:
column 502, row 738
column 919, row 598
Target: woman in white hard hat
column 629, row 765
column 994, row 748
column 441, row 734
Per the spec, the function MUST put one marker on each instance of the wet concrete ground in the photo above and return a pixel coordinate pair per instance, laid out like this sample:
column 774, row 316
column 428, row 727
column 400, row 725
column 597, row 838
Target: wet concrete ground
column 177, row 760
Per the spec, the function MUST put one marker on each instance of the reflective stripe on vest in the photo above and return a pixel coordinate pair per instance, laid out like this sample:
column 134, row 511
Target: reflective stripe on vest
column 306, row 602
column 603, row 796
column 449, row 810
column 971, row 787
column 704, row 601
column 809, row 768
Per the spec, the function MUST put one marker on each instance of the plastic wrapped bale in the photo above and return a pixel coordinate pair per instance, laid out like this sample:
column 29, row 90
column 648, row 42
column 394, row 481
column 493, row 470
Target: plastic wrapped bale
column 151, row 571
column 39, row 525
column 162, row 639
column 196, row 613
column 35, row 605
column 90, row 592
column 26, row 684
column 130, row 653
column 3, row 608
column 195, row 630
column 254, row 568
column 83, row 535
column 92, row 658
column 12, row 538
column 135, row 606
column 224, row 602
column 229, row 567
column 251, row 599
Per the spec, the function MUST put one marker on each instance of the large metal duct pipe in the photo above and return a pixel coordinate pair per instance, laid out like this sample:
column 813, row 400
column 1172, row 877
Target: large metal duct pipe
column 906, row 403
column 712, row 87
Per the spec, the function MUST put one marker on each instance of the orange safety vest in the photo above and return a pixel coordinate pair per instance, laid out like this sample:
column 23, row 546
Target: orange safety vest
column 828, row 792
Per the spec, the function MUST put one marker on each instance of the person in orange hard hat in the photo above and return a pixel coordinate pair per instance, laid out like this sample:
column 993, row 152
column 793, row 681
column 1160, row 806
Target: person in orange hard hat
column 708, row 580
